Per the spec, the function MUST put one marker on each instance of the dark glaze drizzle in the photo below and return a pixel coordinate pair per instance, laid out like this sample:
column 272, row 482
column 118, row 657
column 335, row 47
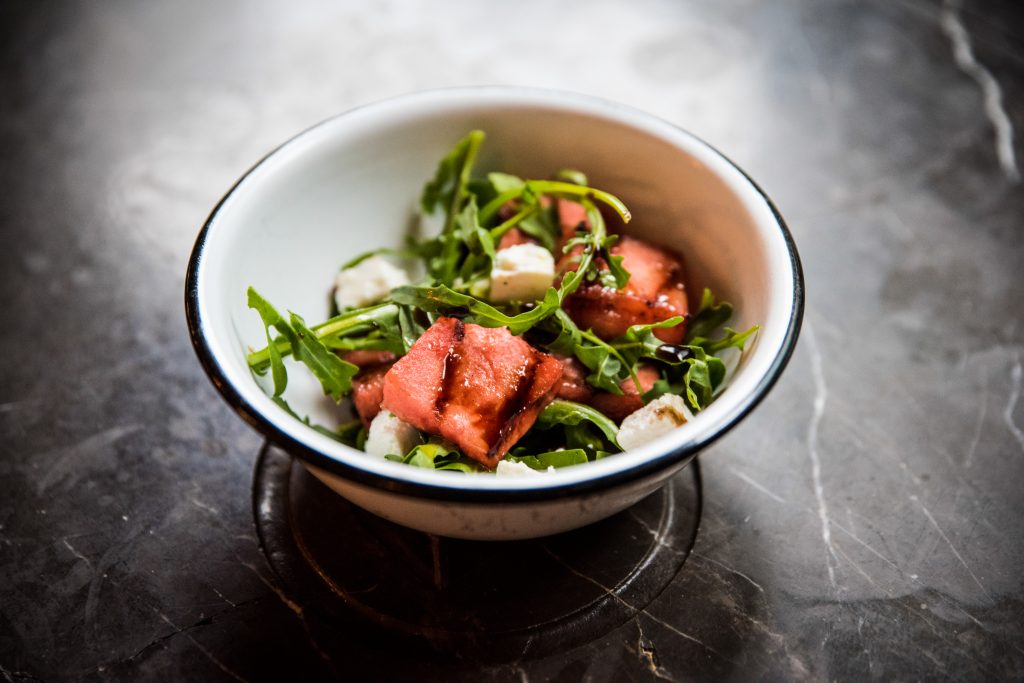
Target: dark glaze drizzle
column 674, row 353
column 451, row 361
column 512, row 410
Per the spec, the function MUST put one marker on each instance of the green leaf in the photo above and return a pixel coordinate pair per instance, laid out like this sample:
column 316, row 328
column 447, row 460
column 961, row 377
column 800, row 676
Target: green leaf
column 350, row 323
column 448, row 185
column 373, row 342
column 562, row 458
column 732, row 339
column 271, row 318
column 618, row 276
column 571, row 175
column 437, row 456
column 710, row 316
column 375, row 252
column 699, row 389
column 561, row 412
column 445, row 301
column 505, row 182
column 555, row 188
column 606, row 369
column 568, row 334
column 342, row 435
column 409, row 329
column 350, row 432
column 540, row 226
column 477, row 244
column 641, row 342
column 335, row 375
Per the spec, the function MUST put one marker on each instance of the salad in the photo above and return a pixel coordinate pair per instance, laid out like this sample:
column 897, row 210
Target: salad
column 536, row 337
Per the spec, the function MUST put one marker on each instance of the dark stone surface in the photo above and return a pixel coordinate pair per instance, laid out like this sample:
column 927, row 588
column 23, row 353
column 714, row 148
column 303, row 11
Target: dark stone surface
column 864, row 522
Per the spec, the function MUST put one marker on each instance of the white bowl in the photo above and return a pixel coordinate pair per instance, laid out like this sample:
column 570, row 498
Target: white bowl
column 351, row 184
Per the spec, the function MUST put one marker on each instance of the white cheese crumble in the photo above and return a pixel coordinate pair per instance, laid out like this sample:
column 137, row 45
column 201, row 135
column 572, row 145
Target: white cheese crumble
column 509, row 468
column 521, row 273
column 367, row 283
column 657, row 418
column 388, row 435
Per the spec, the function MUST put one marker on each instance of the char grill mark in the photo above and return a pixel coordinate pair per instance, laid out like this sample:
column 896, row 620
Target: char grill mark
column 451, row 362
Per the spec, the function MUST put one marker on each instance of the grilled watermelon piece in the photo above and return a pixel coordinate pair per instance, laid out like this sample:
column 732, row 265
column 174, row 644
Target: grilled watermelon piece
column 655, row 292
column 480, row 388
column 368, row 358
column 618, row 407
column 368, row 392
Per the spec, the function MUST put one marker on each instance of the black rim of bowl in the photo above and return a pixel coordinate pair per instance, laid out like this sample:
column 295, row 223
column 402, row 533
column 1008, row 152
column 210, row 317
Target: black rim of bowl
column 457, row 494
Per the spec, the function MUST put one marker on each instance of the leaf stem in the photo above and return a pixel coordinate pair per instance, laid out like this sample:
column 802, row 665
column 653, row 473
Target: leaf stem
column 597, row 341
column 496, row 233
column 338, row 325
column 558, row 189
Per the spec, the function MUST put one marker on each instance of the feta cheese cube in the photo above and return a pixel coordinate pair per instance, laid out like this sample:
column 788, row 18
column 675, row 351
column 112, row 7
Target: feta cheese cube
column 657, row 418
column 509, row 468
column 367, row 283
column 522, row 273
column 388, row 435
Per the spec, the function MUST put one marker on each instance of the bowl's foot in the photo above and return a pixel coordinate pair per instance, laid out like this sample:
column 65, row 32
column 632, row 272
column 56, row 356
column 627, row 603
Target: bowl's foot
column 489, row 601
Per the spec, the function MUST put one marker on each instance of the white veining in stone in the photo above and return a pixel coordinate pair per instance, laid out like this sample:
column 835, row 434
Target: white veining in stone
column 949, row 543
column 618, row 598
column 982, row 412
column 69, row 459
column 820, row 398
column 294, row 607
column 199, row 646
column 647, row 655
column 223, row 597
column 757, row 486
column 731, row 570
column 990, row 91
column 203, row 506
column 75, row 552
column 1011, row 402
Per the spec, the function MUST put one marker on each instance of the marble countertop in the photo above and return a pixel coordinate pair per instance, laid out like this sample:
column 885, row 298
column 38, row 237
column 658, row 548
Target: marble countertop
column 865, row 522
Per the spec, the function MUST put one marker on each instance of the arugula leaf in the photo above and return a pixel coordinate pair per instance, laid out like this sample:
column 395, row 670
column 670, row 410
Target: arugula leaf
column 555, row 188
column 542, row 461
column 341, row 435
column 371, row 342
column 351, row 432
column 562, row 412
column 641, row 342
column 604, row 366
column 618, row 277
column 335, row 375
column 437, row 456
column 271, row 318
column 697, row 381
column 710, row 316
column 408, row 328
column 375, row 252
column 568, row 334
column 541, row 226
column 732, row 339
column 445, row 301
column 346, row 324
column 448, row 186
column 571, row 175
column 505, row 182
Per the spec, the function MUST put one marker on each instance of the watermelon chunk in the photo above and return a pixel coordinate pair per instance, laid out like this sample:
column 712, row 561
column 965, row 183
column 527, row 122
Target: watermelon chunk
column 480, row 388
column 655, row 292
column 368, row 392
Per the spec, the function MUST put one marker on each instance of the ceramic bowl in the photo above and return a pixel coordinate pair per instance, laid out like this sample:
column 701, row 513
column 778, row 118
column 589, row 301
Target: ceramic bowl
column 351, row 184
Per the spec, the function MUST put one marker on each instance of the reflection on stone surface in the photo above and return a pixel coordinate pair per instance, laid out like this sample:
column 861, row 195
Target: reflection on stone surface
column 483, row 601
